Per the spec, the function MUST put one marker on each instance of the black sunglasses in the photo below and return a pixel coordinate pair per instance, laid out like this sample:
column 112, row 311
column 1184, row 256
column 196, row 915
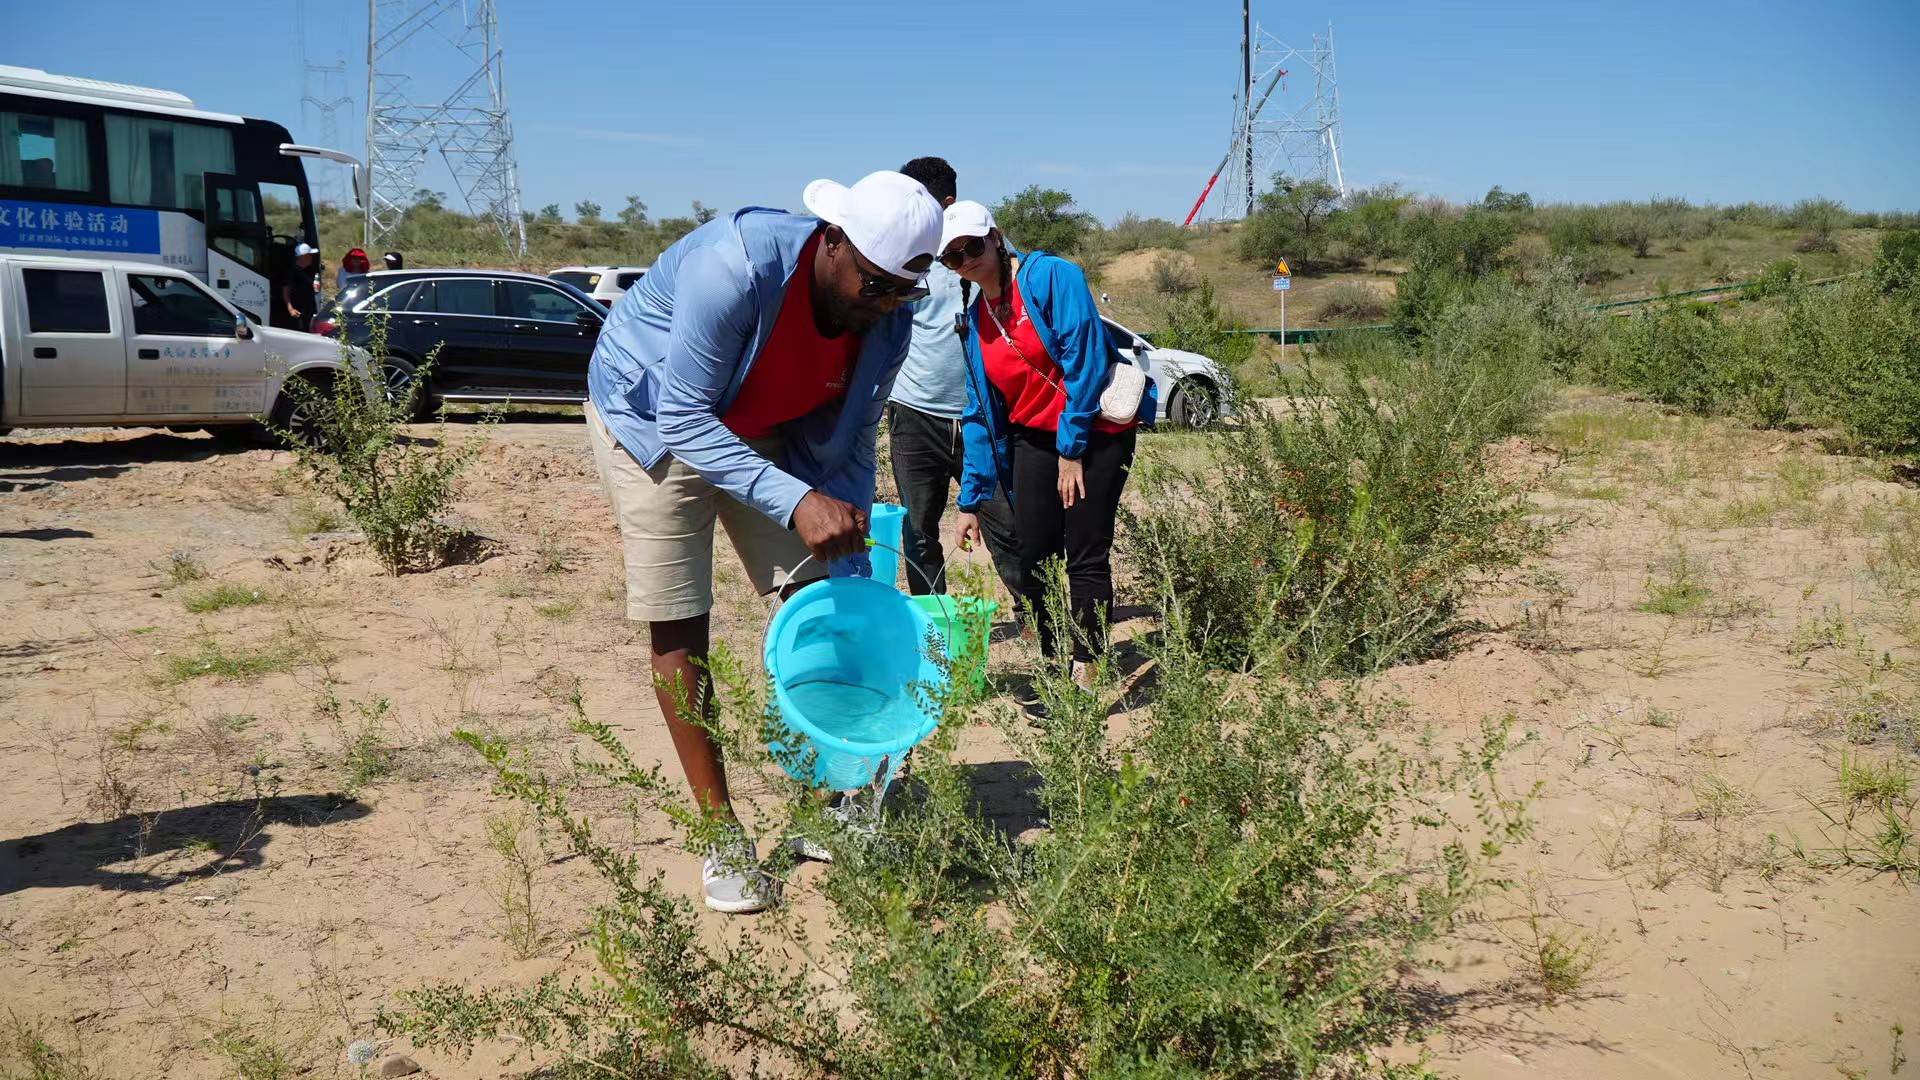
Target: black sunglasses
column 874, row 282
column 955, row 258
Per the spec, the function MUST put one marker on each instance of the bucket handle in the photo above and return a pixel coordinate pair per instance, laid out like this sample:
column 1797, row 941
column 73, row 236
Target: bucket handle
column 945, row 602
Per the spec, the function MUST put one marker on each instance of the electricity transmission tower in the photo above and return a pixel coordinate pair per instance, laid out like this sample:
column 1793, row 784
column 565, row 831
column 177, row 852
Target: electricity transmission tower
column 1300, row 137
column 468, row 125
column 318, row 92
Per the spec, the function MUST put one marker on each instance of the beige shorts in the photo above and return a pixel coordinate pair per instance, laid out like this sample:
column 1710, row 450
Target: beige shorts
column 666, row 517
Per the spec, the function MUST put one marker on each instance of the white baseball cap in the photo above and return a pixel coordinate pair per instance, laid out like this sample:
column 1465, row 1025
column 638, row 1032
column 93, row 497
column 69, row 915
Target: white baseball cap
column 964, row 218
column 889, row 217
column 305, row 249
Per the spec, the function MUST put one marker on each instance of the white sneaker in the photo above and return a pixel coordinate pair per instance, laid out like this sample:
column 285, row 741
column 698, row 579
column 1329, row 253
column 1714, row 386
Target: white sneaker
column 847, row 815
column 734, row 882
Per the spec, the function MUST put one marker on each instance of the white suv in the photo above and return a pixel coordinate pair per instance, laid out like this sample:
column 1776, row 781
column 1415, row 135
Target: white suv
column 604, row 283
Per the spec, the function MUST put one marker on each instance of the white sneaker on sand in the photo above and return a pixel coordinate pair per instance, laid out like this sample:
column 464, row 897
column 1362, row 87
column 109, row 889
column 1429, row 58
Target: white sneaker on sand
column 733, row 880
column 847, row 815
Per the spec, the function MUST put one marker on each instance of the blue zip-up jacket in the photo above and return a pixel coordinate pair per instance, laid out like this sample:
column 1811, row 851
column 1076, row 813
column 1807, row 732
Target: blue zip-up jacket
column 1062, row 309
column 678, row 346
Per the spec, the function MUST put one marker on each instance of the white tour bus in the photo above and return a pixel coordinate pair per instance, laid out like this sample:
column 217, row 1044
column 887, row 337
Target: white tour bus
column 100, row 169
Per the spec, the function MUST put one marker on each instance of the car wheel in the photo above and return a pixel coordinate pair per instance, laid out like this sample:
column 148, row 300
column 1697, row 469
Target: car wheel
column 1195, row 404
column 402, row 382
column 295, row 417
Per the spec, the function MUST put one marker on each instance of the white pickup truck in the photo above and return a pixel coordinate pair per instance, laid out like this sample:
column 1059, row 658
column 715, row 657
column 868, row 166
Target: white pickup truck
column 100, row 342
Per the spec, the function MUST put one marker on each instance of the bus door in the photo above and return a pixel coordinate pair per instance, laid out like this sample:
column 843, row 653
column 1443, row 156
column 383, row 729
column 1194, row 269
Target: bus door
column 237, row 245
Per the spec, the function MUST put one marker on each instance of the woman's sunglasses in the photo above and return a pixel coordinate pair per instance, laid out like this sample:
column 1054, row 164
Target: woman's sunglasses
column 955, row 258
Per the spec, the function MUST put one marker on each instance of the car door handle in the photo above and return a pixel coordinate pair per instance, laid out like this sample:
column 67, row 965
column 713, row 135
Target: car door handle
column 527, row 327
column 425, row 322
column 45, row 352
column 149, row 354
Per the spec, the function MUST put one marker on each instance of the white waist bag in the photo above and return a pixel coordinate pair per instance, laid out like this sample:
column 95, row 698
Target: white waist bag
column 1126, row 382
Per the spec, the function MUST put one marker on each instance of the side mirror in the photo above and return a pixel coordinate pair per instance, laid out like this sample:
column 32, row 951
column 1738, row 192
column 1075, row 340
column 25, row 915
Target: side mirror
column 587, row 320
column 1139, row 348
column 242, row 328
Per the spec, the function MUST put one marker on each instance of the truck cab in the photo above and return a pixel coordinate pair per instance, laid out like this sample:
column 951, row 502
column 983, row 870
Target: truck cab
column 99, row 342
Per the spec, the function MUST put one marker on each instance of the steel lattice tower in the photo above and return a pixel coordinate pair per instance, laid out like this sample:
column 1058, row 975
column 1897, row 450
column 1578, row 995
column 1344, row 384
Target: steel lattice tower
column 469, row 126
column 318, row 93
column 1269, row 136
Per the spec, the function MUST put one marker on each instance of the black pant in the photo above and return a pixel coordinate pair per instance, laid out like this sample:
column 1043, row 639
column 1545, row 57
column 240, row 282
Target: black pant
column 1082, row 535
column 927, row 455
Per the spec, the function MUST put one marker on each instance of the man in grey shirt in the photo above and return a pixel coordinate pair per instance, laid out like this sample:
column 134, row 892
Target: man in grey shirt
column 923, row 421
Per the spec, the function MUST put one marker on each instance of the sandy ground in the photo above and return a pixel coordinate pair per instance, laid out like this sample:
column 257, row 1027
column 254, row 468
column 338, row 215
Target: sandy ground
column 178, row 881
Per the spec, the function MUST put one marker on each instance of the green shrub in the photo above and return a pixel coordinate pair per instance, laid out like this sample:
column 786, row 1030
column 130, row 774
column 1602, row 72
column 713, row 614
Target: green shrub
column 397, row 489
column 1900, row 252
column 1671, row 353
column 1351, row 302
column 1819, row 217
column 1230, row 889
column 1196, row 322
column 1133, row 233
column 1422, row 295
column 1345, row 536
column 1778, row 277
column 1856, row 345
column 1173, row 273
column 1043, row 219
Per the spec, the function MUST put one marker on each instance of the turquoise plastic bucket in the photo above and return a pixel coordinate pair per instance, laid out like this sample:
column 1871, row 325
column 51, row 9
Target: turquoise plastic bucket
column 887, row 526
column 854, row 685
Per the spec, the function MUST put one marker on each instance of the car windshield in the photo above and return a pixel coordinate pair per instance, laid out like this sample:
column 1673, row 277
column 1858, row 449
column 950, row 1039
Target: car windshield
column 579, row 279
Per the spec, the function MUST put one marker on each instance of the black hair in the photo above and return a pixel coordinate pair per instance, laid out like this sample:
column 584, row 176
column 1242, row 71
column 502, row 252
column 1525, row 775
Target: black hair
column 935, row 175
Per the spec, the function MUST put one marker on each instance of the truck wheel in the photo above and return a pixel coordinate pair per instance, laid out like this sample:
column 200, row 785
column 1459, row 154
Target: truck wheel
column 1195, row 404
column 295, row 416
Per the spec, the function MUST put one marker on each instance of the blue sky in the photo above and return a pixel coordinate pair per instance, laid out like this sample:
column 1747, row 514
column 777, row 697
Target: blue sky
column 1125, row 103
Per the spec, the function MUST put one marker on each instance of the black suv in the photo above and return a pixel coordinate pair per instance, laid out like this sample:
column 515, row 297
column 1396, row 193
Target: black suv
column 500, row 334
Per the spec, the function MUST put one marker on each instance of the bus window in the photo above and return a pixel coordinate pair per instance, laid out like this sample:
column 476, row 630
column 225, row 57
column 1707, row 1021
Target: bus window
column 235, row 206
column 159, row 162
column 44, row 152
column 283, row 209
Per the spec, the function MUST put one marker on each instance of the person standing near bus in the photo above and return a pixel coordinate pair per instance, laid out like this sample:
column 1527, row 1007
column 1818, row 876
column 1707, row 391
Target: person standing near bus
column 353, row 262
column 741, row 381
column 299, row 294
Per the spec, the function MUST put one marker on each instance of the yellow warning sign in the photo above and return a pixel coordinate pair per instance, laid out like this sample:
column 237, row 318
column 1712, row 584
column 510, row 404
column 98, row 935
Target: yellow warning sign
column 1281, row 269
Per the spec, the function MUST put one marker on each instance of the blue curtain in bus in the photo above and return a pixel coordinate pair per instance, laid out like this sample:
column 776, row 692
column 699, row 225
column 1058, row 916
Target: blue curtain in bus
column 44, row 152
column 159, row 163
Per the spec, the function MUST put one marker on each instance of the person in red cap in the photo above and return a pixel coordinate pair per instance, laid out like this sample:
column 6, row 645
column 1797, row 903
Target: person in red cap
column 353, row 262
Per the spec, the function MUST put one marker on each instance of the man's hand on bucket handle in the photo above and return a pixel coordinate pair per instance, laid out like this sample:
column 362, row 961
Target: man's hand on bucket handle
column 831, row 529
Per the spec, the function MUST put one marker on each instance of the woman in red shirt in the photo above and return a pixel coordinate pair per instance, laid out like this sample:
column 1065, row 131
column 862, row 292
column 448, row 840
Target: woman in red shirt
column 1038, row 359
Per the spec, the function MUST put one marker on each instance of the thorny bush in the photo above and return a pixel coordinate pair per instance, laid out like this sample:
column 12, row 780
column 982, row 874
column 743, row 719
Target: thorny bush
column 1230, row 888
column 1342, row 535
column 353, row 447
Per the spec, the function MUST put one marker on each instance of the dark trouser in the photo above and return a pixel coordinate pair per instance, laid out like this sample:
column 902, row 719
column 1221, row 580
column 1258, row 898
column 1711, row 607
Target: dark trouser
column 927, row 455
column 1082, row 535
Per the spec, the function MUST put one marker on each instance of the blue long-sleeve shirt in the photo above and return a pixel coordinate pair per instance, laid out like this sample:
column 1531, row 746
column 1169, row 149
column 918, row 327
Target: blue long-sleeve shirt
column 678, row 346
column 1063, row 313
column 934, row 377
